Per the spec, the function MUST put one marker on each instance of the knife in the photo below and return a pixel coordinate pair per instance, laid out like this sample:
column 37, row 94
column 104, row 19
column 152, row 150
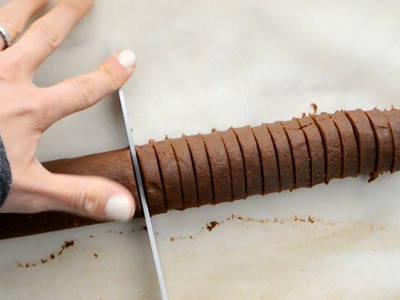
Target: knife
column 142, row 197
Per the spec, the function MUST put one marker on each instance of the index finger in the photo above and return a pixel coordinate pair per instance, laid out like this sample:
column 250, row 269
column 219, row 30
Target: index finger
column 81, row 92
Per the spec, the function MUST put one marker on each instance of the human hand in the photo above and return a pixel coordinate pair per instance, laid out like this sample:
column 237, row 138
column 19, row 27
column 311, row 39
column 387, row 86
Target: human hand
column 26, row 111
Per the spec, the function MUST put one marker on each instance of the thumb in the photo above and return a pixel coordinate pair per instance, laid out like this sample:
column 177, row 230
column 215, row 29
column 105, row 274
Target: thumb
column 92, row 197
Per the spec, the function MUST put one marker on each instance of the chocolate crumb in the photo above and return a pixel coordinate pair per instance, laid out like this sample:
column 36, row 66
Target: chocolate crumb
column 314, row 106
column 212, row 225
column 66, row 245
column 95, row 255
column 52, row 256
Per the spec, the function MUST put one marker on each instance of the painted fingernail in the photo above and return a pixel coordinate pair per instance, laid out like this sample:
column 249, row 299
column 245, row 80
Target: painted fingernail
column 127, row 58
column 118, row 208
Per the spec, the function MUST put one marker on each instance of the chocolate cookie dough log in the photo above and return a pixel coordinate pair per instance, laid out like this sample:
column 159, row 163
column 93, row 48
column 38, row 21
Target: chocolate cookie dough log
column 152, row 181
column 201, row 169
column 393, row 117
column 351, row 164
column 252, row 163
column 315, row 148
column 186, row 172
column 284, row 154
column 170, row 175
column 115, row 165
column 384, row 141
column 332, row 145
column 301, row 158
column 236, row 164
column 220, row 169
column 268, row 157
column 365, row 140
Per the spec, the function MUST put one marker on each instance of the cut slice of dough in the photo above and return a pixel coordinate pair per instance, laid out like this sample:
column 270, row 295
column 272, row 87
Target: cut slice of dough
column 365, row 140
column 393, row 117
column 301, row 157
column 151, row 179
column 384, row 141
column 332, row 145
column 170, row 175
column 284, row 154
column 351, row 164
column 315, row 148
column 220, row 169
column 202, row 169
column 269, row 161
column 247, row 142
column 186, row 172
column 236, row 163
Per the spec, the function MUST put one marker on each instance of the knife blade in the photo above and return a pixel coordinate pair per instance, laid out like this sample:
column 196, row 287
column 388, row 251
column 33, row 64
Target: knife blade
column 142, row 196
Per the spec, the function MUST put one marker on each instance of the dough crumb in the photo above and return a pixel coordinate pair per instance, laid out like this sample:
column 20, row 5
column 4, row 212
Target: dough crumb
column 212, row 225
column 315, row 107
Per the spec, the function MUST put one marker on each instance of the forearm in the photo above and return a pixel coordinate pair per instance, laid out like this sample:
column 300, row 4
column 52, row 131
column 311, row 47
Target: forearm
column 5, row 174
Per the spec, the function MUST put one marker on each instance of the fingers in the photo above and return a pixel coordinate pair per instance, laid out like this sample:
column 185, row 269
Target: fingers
column 92, row 197
column 15, row 14
column 97, row 198
column 86, row 90
column 47, row 33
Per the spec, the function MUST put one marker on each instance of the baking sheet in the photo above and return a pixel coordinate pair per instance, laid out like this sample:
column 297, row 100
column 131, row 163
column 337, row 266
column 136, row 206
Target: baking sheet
column 216, row 64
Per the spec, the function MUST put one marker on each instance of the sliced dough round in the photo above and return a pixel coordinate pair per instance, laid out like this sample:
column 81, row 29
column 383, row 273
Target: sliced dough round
column 170, row 175
column 284, row 154
column 220, row 169
column 332, row 145
column 301, row 157
column 315, row 148
column 151, row 179
column 236, row 163
column 202, row 169
column 186, row 172
column 393, row 117
column 351, row 164
column 384, row 141
column 269, row 161
column 247, row 142
column 365, row 140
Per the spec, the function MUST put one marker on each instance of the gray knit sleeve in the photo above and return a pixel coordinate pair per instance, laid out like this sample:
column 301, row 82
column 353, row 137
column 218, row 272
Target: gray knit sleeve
column 5, row 174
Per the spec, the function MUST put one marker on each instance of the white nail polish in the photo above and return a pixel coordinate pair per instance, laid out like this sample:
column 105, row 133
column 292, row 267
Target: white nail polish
column 127, row 58
column 118, row 208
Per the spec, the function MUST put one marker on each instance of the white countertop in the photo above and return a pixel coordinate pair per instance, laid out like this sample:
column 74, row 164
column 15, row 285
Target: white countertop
column 215, row 64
